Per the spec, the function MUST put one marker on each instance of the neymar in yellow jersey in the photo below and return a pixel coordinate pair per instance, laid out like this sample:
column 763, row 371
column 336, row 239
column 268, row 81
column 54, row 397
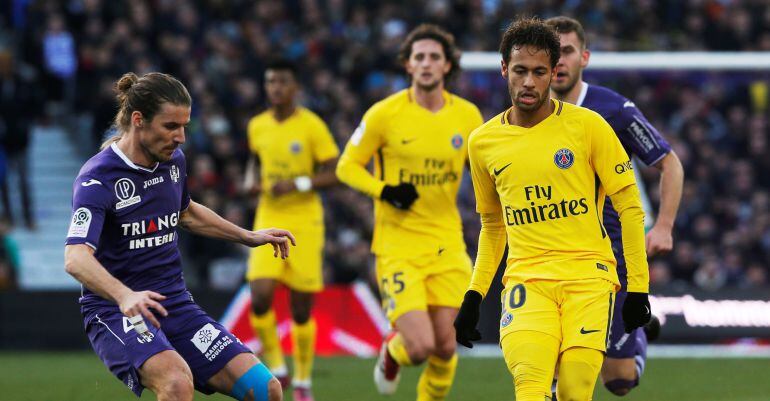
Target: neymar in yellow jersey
column 541, row 171
column 418, row 140
column 293, row 155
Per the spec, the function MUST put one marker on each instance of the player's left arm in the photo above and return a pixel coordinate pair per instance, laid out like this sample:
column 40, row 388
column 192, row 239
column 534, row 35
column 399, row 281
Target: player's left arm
column 201, row 220
column 613, row 166
column 646, row 142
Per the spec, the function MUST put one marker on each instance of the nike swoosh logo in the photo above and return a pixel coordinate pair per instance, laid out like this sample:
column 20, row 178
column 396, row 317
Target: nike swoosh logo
column 584, row 331
column 91, row 182
column 628, row 103
column 497, row 172
column 647, row 309
column 408, row 141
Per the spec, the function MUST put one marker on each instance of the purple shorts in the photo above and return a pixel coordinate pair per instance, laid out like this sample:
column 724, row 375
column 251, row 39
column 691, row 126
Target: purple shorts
column 204, row 344
column 621, row 344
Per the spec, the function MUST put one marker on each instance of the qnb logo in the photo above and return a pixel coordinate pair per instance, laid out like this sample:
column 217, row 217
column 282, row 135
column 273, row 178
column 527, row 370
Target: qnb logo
column 148, row 227
column 621, row 168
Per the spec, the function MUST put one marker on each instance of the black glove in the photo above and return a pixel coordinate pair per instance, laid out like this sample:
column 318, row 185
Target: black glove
column 636, row 311
column 401, row 196
column 467, row 319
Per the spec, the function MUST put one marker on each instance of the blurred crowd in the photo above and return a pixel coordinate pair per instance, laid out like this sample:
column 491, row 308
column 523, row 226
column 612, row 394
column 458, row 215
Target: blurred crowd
column 73, row 50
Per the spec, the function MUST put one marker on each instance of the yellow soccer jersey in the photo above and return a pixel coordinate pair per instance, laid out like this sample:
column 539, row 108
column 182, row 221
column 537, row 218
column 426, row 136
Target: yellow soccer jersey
column 286, row 150
column 549, row 183
column 411, row 144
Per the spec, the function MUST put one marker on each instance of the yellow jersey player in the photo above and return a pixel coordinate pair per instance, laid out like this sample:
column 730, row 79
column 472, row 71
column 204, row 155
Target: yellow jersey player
column 541, row 171
column 296, row 155
column 418, row 139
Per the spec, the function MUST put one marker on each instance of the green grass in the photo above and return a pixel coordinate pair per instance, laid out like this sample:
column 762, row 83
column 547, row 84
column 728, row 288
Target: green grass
column 82, row 377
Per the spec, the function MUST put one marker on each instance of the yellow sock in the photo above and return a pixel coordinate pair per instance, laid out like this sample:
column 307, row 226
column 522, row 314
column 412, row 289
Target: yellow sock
column 436, row 379
column 267, row 331
column 303, row 349
column 398, row 351
column 578, row 370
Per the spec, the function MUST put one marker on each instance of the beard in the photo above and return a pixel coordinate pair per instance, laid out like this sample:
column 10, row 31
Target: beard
column 428, row 87
column 562, row 90
column 541, row 99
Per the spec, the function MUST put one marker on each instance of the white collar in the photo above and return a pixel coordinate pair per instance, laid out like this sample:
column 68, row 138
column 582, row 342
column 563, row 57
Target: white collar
column 128, row 161
column 583, row 91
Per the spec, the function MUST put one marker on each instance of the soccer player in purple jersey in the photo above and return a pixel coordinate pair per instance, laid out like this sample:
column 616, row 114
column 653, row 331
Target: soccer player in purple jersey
column 122, row 246
column 626, row 352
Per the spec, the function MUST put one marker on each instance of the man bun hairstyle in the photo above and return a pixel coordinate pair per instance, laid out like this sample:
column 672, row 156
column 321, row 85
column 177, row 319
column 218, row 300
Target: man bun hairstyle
column 145, row 94
column 533, row 32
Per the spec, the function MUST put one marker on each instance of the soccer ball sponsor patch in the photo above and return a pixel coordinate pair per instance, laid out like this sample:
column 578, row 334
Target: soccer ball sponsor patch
column 81, row 221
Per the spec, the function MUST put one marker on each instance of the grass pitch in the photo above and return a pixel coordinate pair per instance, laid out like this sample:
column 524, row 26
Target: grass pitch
column 80, row 376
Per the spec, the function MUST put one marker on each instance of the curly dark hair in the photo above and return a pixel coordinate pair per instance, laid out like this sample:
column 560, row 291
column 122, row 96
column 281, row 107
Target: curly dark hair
column 434, row 32
column 530, row 32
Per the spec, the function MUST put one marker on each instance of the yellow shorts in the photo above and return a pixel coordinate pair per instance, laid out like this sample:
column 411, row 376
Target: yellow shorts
column 578, row 313
column 301, row 271
column 415, row 283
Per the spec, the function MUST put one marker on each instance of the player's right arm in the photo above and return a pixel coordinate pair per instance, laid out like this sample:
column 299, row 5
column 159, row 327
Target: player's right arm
column 80, row 263
column 492, row 240
column 90, row 202
column 365, row 141
column 251, row 181
column 492, row 237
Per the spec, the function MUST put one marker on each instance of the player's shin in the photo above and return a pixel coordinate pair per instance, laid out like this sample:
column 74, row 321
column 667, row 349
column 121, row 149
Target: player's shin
column 578, row 369
column 266, row 329
column 303, row 338
column 436, row 380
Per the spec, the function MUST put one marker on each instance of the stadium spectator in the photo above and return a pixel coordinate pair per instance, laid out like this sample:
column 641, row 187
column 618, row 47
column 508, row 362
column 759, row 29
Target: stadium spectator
column 18, row 105
column 717, row 123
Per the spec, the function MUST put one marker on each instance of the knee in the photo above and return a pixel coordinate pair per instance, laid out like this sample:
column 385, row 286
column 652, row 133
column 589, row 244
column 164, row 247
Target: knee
column 260, row 304
column 420, row 350
column 176, row 387
column 274, row 391
column 621, row 387
column 300, row 314
column 445, row 349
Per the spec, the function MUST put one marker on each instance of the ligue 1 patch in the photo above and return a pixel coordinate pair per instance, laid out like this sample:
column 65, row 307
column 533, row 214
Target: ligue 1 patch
column 564, row 158
column 204, row 337
column 125, row 191
column 506, row 320
column 457, row 141
column 81, row 221
column 295, row 147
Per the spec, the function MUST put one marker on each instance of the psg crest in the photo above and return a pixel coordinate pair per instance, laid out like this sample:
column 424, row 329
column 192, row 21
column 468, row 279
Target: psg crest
column 295, row 147
column 564, row 158
column 457, row 141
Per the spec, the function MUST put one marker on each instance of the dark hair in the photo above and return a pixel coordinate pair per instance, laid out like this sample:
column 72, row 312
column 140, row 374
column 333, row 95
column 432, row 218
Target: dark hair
column 434, row 32
column 283, row 64
column 564, row 25
column 145, row 95
column 530, row 32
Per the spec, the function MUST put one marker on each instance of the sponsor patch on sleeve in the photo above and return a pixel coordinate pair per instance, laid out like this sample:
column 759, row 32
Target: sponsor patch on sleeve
column 81, row 221
column 355, row 139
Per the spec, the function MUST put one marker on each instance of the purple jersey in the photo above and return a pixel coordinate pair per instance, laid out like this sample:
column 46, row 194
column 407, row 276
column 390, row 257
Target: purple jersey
column 129, row 214
column 638, row 137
